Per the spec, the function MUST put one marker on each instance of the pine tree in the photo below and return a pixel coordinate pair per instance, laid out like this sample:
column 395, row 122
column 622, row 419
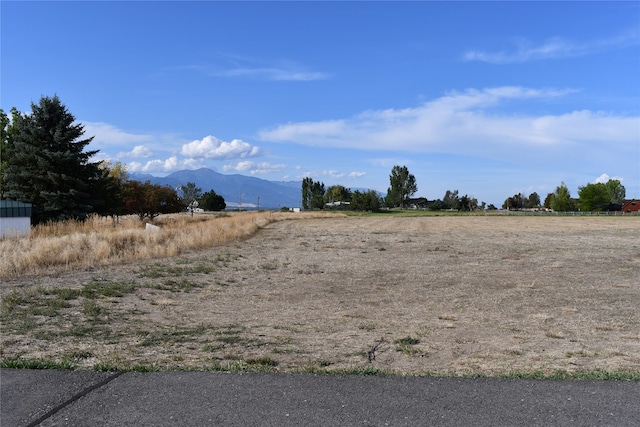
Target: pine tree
column 8, row 129
column 47, row 164
column 210, row 201
column 561, row 201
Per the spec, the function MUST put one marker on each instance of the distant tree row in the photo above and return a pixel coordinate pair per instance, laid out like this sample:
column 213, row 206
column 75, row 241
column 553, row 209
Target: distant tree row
column 315, row 197
column 591, row 198
column 193, row 198
column 519, row 201
column 43, row 161
column 402, row 186
column 452, row 201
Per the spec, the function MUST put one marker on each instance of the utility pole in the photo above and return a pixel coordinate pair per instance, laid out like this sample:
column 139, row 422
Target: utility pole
column 258, row 202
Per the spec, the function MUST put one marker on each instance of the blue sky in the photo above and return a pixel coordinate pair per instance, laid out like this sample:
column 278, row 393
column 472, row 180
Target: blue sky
column 490, row 98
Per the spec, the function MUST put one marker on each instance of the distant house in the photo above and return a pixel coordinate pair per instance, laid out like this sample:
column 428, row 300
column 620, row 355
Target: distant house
column 418, row 203
column 15, row 218
column 631, row 206
column 337, row 205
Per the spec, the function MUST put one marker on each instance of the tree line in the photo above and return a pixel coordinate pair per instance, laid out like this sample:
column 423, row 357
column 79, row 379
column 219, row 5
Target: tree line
column 44, row 161
column 591, row 197
column 402, row 187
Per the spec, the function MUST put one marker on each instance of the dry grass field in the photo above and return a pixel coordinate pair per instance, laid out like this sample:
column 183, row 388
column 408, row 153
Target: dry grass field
column 484, row 295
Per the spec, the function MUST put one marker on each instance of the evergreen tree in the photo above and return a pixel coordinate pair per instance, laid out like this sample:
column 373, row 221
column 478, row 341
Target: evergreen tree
column 210, row 201
column 561, row 200
column 317, row 195
column 47, row 164
column 307, row 183
column 534, row 200
column 8, row 129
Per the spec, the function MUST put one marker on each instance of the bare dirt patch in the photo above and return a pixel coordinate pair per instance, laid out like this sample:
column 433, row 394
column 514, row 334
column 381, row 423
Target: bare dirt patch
column 479, row 294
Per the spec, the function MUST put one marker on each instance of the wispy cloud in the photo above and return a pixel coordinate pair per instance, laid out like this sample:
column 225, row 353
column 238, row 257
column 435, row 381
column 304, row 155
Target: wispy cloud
column 275, row 74
column 254, row 168
column 331, row 173
column 469, row 123
column 237, row 66
column 106, row 134
column 555, row 47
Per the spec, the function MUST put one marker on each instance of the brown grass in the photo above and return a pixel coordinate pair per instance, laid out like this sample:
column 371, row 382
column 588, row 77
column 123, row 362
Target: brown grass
column 488, row 295
column 73, row 245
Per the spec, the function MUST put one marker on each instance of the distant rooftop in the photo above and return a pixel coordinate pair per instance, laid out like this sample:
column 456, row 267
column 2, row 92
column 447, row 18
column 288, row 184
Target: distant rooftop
column 13, row 209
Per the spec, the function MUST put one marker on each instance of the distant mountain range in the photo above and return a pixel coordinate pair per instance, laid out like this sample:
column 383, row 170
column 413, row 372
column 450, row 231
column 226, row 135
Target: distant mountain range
column 238, row 190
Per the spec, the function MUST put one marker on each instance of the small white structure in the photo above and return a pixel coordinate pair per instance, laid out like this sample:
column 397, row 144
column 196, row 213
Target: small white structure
column 15, row 218
column 151, row 227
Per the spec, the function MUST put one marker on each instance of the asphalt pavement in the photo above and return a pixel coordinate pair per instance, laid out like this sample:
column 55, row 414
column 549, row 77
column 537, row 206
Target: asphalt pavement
column 87, row 398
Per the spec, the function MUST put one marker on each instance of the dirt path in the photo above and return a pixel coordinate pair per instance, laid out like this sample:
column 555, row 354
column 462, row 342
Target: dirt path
column 465, row 294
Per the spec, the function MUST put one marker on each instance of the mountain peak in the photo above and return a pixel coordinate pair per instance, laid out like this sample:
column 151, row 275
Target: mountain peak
column 237, row 190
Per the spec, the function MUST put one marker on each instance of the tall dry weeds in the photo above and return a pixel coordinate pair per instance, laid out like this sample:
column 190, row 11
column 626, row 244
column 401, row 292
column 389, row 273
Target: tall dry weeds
column 71, row 245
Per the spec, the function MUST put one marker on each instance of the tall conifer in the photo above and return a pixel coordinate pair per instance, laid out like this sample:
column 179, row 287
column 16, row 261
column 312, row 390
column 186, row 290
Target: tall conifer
column 47, row 164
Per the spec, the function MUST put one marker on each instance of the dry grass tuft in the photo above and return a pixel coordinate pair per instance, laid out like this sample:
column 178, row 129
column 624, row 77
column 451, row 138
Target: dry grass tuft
column 71, row 245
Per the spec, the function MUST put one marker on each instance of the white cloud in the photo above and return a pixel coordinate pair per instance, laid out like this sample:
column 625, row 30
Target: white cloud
column 604, row 178
column 139, row 151
column 239, row 167
column 556, row 47
column 171, row 164
column 333, row 174
column 234, row 65
column 211, row 147
column 106, row 135
column 254, row 168
column 464, row 123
